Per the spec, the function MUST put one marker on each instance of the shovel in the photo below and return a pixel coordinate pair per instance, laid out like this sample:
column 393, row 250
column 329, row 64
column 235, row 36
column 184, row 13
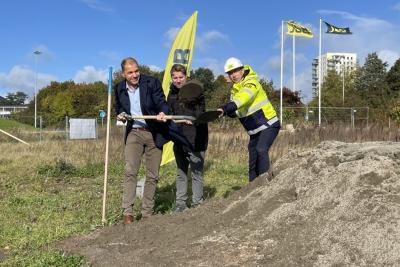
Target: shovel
column 208, row 116
column 205, row 117
column 167, row 117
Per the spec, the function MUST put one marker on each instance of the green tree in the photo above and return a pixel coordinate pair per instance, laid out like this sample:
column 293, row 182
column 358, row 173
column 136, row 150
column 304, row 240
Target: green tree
column 289, row 98
column 61, row 106
column 88, row 99
column 206, row 77
column 221, row 93
column 332, row 88
column 393, row 78
column 267, row 86
column 371, row 82
column 14, row 99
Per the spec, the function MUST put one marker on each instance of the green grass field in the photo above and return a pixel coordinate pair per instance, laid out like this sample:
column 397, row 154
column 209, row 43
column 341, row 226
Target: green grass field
column 6, row 124
column 53, row 190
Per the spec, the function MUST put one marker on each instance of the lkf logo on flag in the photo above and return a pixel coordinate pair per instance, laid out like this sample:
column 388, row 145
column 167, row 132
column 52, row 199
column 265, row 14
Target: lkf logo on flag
column 336, row 30
column 181, row 56
column 298, row 30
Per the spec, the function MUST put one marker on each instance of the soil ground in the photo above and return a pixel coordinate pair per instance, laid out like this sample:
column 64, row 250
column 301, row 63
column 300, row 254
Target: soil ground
column 337, row 204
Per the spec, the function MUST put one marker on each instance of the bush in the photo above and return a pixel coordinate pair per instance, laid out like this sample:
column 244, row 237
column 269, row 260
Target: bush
column 60, row 168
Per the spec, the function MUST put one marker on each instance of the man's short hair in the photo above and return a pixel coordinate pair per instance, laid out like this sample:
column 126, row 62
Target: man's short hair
column 178, row 68
column 128, row 60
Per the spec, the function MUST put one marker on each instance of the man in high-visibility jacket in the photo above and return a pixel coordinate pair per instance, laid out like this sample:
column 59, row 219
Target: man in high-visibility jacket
column 250, row 104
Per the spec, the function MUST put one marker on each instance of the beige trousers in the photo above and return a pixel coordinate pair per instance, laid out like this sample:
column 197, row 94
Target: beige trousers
column 139, row 143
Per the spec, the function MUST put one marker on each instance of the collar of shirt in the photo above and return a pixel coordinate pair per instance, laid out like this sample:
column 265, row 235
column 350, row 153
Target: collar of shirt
column 130, row 88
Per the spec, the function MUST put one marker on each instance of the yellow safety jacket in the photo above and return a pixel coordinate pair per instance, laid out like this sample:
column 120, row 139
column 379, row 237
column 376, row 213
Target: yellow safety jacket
column 254, row 110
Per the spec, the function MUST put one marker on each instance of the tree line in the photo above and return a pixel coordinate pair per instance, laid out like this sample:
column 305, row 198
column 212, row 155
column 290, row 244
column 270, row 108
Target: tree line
column 60, row 99
column 13, row 99
column 369, row 85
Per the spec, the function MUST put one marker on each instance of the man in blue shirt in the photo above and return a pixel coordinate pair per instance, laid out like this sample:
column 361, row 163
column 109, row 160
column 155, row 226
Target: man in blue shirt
column 140, row 94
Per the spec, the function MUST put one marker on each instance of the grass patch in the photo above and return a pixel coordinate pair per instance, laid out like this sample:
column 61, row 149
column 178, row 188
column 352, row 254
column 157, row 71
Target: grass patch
column 6, row 124
column 48, row 258
column 49, row 193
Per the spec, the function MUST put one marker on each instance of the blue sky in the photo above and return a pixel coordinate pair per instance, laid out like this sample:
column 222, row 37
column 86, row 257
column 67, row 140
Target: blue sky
column 81, row 38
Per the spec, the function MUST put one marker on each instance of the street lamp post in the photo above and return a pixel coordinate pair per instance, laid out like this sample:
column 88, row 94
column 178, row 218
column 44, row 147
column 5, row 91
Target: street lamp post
column 343, row 69
column 37, row 53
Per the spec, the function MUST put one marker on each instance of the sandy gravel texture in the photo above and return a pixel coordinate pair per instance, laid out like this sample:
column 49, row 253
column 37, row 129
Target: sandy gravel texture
column 337, row 204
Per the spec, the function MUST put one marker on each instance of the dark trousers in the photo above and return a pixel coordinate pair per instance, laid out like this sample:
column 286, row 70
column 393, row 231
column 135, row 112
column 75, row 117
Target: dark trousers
column 258, row 150
column 195, row 160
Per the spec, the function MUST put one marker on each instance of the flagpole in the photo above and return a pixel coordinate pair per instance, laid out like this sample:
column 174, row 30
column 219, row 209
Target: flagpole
column 280, row 109
column 319, row 72
column 294, row 63
column 103, row 216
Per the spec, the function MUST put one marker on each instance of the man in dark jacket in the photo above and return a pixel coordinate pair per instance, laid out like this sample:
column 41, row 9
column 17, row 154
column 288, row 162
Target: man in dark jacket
column 142, row 95
column 197, row 135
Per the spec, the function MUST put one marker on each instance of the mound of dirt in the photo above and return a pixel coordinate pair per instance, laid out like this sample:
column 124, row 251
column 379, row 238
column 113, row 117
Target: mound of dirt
column 335, row 205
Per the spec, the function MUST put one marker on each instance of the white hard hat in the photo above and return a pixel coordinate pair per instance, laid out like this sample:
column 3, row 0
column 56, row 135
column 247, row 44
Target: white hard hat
column 232, row 63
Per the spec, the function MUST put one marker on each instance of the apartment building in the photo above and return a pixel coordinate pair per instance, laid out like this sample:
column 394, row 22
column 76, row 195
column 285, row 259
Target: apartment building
column 342, row 63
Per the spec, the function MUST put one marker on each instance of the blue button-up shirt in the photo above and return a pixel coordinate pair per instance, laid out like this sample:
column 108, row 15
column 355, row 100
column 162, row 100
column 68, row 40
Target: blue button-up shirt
column 136, row 109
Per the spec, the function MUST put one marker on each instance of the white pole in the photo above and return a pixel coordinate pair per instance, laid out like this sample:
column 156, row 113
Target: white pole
column 12, row 136
column 37, row 53
column 35, row 88
column 281, row 113
column 103, row 217
column 294, row 64
column 319, row 72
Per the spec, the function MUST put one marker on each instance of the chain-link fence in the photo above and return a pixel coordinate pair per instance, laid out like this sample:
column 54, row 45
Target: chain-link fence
column 352, row 116
column 46, row 130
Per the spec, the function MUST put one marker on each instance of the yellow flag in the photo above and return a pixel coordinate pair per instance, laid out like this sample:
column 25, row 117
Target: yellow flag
column 181, row 53
column 298, row 30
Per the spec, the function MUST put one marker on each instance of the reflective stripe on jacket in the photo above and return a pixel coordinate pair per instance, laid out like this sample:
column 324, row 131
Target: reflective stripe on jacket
column 254, row 110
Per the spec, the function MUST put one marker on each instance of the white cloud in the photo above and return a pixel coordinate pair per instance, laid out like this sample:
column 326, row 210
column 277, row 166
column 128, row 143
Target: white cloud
column 274, row 63
column 110, row 55
column 303, row 84
column 205, row 40
column 21, row 78
column 389, row 56
column 213, row 64
column 397, row 7
column 97, row 5
column 90, row 74
column 170, row 35
column 154, row 68
column 369, row 35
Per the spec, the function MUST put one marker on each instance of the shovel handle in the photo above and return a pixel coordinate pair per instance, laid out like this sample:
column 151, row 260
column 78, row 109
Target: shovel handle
column 168, row 117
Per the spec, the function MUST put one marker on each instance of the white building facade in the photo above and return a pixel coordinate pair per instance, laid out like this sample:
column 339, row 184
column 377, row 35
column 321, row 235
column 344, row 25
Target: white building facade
column 342, row 63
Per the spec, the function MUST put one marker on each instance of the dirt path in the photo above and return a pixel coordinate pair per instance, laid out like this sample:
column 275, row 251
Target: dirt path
column 335, row 205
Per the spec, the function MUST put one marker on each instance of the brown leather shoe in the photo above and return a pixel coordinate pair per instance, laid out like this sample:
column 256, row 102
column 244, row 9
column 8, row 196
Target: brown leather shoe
column 128, row 219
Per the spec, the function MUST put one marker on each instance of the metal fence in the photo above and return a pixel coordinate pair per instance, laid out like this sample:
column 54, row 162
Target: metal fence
column 48, row 130
column 59, row 130
column 352, row 116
